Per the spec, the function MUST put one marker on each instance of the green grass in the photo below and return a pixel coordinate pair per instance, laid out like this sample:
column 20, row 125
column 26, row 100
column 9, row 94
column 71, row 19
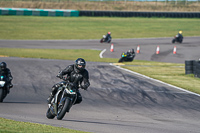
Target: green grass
column 11, row 126
column 64, row 54
column 32, row 27
column 171, row 73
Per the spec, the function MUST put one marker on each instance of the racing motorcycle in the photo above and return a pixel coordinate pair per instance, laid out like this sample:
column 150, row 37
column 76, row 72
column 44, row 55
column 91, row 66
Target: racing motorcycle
column 126, row 57
column 104, row 39
column 62, row 101
column 3, row 89
column 177, row 39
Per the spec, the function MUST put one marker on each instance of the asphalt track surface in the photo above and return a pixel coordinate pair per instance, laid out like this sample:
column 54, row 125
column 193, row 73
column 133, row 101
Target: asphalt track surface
column 117, row 101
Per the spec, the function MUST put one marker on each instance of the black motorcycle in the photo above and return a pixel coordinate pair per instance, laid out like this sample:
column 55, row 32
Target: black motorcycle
column 62, row 101
column 3, row 89
column 105, row 40
column 177, row 39
column 126, row 57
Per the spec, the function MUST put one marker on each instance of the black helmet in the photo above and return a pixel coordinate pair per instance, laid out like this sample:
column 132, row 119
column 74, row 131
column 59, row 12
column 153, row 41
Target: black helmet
column 3, row 65
column 80, row 64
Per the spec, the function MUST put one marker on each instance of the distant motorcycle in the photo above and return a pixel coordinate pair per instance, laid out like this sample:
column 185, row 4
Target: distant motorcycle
column 126, row 57
column 62, row 101
column 3, row 89
column 177, row 39
column 105, row 40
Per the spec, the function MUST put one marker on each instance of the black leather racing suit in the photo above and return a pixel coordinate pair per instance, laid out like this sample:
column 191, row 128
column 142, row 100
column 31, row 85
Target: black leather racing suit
column 179, row 37
column 75, row 77
column 108, row 37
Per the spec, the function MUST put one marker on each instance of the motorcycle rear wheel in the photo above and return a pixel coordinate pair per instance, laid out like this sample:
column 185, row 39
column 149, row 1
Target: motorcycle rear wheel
column 101, row 41
column 49, row 115
column 62, row 110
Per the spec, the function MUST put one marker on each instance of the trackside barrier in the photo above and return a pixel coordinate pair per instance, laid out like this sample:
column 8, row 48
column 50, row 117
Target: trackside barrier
column 38, row 12
column 192, row 67
column 75, row 13
column 140, row 14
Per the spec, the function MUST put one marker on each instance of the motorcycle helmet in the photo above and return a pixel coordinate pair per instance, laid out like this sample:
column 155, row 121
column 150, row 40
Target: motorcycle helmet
column 180, row 32
column 109, row 33
column 3, row 65
column 80, row 64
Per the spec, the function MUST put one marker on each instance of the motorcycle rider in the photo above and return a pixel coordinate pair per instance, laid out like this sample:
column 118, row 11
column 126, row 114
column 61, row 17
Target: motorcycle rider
column 75, row 73
column 127, row 56
column 108, row 37
column 131, row 53
column 179, row 36
column 6, row 72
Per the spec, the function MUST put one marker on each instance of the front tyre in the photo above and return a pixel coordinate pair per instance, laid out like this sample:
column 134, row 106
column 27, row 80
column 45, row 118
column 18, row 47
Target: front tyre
column 121, row 60
column 63, row 109
column 49, row 115
column 1, row 95
column 173, row 41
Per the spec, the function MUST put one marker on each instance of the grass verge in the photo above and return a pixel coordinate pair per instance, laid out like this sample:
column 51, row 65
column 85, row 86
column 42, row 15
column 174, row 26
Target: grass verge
column 11, row 126
column 50, row 28
column 169, row 6
column 63, row 54
column 171, row 73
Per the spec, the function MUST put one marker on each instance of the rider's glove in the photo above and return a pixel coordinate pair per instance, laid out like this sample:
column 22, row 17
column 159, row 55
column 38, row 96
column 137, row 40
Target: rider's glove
column 66, row 78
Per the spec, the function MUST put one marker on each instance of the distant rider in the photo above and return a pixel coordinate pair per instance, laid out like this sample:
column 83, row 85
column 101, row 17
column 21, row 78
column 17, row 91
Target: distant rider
column 108, row 37
column 75, row 73
column 4, row 71
column 131, row 53
column 179, row 36
column 127, row 56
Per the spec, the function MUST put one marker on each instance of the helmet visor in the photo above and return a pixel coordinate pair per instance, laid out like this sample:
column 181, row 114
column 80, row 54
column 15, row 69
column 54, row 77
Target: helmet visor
column 81, row 66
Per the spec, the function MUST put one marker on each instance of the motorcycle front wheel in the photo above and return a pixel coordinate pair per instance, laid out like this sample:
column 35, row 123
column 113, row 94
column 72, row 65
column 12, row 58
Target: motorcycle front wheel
column 1, row 95
column 173, row 41
column 121, row 60
column 63, row 109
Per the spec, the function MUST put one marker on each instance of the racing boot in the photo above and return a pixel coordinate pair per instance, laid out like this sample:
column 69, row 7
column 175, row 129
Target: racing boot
column 8, row 88
column 49, row 99
column 53, row 92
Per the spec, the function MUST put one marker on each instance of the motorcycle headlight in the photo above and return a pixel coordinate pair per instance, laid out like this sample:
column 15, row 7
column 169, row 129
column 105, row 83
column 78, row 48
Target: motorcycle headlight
column 2, row 83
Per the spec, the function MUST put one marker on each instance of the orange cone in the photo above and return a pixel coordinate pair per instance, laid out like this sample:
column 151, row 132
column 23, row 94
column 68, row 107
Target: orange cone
column 174, row 51
column 157, row 50
column 138, row 49
column 112, row 48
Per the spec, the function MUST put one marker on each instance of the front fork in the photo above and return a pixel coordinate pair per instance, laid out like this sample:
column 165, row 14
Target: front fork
column 65, row 96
